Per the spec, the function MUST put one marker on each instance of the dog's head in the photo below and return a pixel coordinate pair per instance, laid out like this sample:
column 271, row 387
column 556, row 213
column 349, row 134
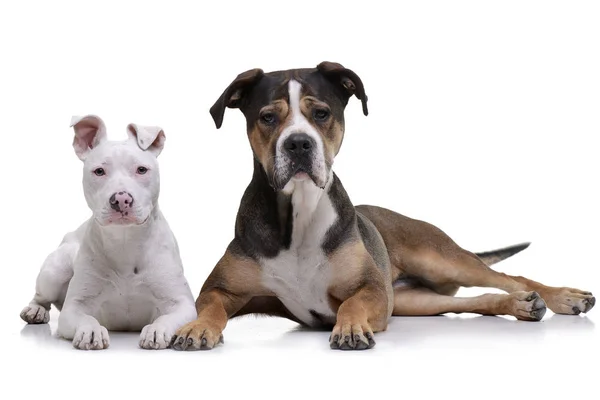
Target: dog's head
column 295, row 118
column 120, row 179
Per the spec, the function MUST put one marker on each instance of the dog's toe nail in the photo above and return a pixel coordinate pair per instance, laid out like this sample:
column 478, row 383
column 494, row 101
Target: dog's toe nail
column 576, row 310
column 203, row 342
column 345, row 346
column 532, row 296
column 360, row 345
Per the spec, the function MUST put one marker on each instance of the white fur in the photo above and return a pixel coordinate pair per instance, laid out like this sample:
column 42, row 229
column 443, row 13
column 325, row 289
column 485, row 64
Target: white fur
column 299, row 124
column 299, row 276
column 125, row 276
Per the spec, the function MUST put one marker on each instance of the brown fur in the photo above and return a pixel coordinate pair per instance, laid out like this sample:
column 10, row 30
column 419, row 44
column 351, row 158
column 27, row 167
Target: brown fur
column 425, row 269
column 232, row 284
column 439, row 267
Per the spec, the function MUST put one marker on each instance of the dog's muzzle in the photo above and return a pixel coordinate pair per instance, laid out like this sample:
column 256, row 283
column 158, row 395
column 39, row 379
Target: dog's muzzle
column 298, row 149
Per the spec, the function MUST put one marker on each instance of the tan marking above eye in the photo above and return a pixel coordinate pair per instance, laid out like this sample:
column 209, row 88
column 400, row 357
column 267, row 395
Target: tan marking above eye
column 278, row 108
column 313, row 102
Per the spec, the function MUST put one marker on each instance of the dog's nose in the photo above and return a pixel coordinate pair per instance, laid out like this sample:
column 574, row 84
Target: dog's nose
column 121, row 201
column 298, row 144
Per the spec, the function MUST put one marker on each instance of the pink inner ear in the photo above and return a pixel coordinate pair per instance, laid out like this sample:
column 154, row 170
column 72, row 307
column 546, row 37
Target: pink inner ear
column 159, row 142
column 88, row 134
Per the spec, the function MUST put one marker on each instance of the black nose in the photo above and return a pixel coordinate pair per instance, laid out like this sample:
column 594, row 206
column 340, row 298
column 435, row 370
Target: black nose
column 298, row 144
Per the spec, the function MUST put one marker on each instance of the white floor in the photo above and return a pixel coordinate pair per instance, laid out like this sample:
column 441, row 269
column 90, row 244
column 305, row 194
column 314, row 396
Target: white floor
column 417, row 357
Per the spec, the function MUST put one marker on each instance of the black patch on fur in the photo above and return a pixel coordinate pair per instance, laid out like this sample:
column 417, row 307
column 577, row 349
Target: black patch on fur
column 260, row 230
column 373, row 241
column 494, row 256
column 343, row 229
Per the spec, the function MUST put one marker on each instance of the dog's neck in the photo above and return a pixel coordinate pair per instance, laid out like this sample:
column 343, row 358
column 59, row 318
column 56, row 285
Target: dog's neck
column 309, row 206
column 299, row 216
column 121, row 243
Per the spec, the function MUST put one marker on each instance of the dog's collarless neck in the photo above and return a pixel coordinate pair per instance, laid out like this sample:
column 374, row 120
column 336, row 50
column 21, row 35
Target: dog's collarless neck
column 266, row 218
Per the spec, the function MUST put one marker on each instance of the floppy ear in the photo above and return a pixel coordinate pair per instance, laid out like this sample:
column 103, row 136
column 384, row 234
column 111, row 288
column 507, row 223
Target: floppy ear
column 347, row 79
column 151, row 138
column 232, row 96
column 90, row 131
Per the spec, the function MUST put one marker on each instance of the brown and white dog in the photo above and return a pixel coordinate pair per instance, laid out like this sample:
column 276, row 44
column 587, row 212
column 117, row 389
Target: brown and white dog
column 303, row 251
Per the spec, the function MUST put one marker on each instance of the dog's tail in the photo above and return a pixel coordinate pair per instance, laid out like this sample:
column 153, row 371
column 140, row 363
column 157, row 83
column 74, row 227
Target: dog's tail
column 494, row 256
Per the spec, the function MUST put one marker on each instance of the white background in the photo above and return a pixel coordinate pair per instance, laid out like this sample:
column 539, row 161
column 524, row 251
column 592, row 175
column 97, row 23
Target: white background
column 484, row 119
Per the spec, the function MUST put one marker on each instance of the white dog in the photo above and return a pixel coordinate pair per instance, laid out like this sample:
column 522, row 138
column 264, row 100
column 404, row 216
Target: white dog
column 121, row 269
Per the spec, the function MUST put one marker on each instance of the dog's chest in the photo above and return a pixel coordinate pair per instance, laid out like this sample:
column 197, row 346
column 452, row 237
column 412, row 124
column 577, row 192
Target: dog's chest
column 300, row 281
column 130, row 301
column 300, row 276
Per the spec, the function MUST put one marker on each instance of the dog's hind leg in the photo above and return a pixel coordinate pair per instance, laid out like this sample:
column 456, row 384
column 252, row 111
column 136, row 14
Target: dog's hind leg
column 561, row 300
column 421, row 251
column 52, row 283
column 463, row 268
column 527, row 306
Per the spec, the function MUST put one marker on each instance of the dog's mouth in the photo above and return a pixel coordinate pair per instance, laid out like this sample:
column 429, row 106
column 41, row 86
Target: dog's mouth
column 121, row 219
column 295, row 172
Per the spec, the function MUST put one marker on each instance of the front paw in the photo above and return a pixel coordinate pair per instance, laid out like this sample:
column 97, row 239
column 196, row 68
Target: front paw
column 155, row 336
column 351, row 336
column 35, row 314
column 91, row 337
column 197, row 335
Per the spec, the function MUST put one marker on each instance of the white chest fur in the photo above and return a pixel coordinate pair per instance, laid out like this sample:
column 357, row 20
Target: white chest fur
column 300, row 276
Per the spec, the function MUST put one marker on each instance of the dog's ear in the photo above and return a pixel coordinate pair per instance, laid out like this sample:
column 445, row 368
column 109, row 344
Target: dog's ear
column 347, row 79
column 150, row 138
column 232, row 96
column 90, row 131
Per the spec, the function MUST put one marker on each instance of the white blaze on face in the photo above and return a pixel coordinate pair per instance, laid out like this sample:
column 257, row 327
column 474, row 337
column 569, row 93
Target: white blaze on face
column 298, row 123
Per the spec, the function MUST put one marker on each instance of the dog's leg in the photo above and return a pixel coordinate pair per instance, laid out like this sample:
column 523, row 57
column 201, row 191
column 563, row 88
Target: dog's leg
column 561, row 300
column 230, row 286
column 85, row 330
column 422, row 251
column 214, row 309
column 365, row 297
column 51, row 284
column 87, row 291
column 527, row 306
column 358, row 318
column 158, row 334
column 466, row 269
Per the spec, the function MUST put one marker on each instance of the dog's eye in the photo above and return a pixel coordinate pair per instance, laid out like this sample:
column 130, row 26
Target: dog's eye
column 142, row 170
column 320, row 114
column 99, row 172
column 268, row 118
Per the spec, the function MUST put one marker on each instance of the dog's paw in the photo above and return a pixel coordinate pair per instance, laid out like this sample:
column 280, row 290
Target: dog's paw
column 351, row 336
column 155, row 336
column 91, row 337
column 526, row 306
column 35, row 314
column 569, row 301
column 197, row 335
